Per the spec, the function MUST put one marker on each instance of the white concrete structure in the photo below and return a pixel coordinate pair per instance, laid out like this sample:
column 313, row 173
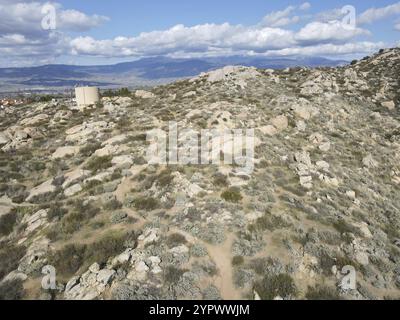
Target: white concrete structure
column 86, row 96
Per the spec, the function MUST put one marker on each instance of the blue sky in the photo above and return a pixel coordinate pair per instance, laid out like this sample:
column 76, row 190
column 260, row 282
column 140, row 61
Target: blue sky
column 97, row 32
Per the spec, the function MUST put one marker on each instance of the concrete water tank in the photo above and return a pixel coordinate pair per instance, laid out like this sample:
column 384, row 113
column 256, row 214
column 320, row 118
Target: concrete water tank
column 86, row 96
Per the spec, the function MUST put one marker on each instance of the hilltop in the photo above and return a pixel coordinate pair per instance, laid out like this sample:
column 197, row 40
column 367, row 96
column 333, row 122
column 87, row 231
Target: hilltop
column 77, row 192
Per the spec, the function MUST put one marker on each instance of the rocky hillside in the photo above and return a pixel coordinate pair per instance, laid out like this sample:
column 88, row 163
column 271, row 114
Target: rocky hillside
column 77, row 193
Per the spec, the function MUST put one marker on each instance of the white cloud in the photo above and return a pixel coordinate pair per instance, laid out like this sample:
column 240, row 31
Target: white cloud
column 317, row 32
column 21, row 36
column 26, row 18
column 77, row 21
column 213, row 39
column 374, row 14
column 280, row 18
column 305, row 6
column 397, row 26
column 330, row 49
column 200, row 38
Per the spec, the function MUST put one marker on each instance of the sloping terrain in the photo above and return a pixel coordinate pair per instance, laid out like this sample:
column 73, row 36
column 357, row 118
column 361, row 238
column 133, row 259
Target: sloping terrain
column 77, row 192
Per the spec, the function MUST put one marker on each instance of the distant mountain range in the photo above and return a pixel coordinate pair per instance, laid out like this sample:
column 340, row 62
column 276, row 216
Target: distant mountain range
column 148, row 71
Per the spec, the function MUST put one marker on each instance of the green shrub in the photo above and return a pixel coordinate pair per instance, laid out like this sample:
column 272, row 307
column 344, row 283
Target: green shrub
column 112, row 205
column 7, row 222
column 268, row 222
column 276, row 285
column 109, row 246
column 237, row 260
column 172, row 274
column 96, row 164
column 78, row 217
column 73, row 257
column 10, row 255
column 56, row 211
column 146, row 203
column 89, row 149
column 12, row 290
column 165, row 177
column 321, row 292
column 175, row 240
column 232, row 195
column 69, row 259
column 220, row 180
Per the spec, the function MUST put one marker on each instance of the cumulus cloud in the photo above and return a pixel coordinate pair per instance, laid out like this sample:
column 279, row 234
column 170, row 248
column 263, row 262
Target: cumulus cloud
column 374, row 14
column 21, row 36
column 280, row 18
column 397, row 26
column 305, row 6
column 330, row 49
column 213, row 38
column 284, row 17
column 26, row 18
column 334, row 31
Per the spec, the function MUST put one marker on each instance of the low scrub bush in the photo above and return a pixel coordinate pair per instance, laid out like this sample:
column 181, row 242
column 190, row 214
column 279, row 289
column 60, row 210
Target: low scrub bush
column 276, row 285
column 7, row 222
column 232, row 195
column 12, row 290
column 96, row 164
column 10, row 255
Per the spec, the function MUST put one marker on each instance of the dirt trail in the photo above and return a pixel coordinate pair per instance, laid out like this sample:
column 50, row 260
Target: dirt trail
column 221, row 255
column 123, row 188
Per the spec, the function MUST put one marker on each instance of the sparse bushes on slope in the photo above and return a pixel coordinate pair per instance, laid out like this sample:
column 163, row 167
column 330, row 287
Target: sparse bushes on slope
column 276, row 285
column 73, row 257
column 321, row 292
column 96, row 164
column 11, row 290
column 10, row 255
column 146, row 203
column 175, row 239
column 7, row 222
column 232, row 195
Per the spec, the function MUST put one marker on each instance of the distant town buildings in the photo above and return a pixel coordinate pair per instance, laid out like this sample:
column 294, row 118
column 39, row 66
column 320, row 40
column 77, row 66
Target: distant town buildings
column 7, row 102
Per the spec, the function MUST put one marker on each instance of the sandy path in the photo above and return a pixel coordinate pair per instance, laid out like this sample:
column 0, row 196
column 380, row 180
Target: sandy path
column 221, row 255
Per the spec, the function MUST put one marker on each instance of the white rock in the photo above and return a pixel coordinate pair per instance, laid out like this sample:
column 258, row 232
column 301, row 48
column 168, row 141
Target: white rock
column 35, row 221
column 124, row 161
column 75, row 176
column 369, row 162
column 388, row 104
column 322, row 165
column 144, row 94
column 280, row 122
column 94, row 268
column 116, row 139
column 45, row 187
column 351, row 194
column 105, row 276
column 4, row 139
column 63, row 152
column 325, row 147
column 34, row 120
column 269, row 130
column 362, row 258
